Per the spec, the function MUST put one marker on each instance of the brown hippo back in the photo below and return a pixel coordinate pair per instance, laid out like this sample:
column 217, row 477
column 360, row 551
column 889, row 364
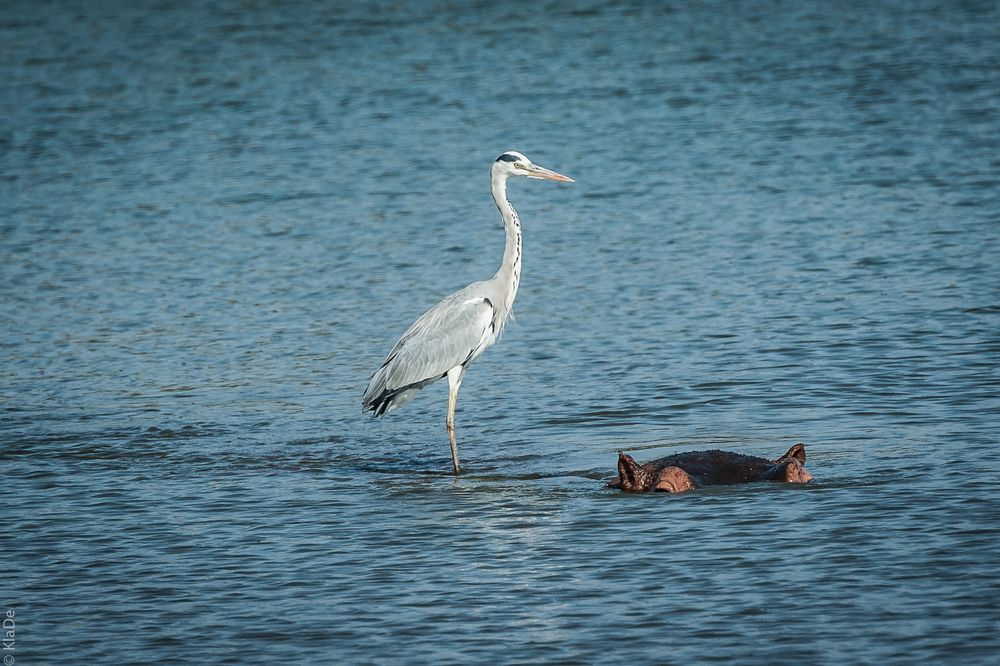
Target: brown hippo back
column 683, row 471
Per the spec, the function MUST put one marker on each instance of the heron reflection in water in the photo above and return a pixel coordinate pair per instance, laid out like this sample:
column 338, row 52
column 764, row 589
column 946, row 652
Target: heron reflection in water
column 456, row 331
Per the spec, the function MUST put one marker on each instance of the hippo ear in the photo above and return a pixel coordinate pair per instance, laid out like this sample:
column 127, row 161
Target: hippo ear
column 630, row 473
column 797, row 452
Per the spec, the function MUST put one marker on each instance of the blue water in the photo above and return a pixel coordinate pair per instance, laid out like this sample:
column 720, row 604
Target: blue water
column 216, row 218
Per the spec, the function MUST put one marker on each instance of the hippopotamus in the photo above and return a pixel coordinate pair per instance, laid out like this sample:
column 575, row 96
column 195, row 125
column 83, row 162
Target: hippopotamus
column 680, row 472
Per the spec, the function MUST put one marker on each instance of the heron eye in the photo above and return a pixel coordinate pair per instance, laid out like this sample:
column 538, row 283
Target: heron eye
column 519, row 165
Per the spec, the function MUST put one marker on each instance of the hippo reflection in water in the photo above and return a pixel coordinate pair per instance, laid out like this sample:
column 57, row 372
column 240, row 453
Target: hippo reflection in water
column 685, row 471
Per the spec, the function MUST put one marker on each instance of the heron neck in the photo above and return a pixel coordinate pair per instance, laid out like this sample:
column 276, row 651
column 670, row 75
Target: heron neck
column 509, row 274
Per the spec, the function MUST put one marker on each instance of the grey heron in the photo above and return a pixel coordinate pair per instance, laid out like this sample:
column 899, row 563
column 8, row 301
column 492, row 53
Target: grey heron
column 456, row 331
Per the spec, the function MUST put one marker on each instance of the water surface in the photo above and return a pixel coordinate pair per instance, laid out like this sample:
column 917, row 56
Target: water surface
column 216, row 218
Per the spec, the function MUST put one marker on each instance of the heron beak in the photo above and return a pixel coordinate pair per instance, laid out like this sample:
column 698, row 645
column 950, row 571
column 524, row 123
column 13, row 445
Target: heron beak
column 535, row 171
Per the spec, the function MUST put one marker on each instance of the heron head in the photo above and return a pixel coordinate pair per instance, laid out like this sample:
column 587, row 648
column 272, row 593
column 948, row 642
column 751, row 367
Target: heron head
column 513, row 163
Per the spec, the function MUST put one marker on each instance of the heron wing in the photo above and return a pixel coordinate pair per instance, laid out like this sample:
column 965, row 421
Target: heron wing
column 450, row 334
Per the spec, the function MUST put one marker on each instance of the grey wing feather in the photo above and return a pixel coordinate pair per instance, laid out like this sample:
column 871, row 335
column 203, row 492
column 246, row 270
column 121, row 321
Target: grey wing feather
column 450, row 334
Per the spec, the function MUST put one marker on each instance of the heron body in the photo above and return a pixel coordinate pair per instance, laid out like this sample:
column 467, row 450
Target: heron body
column 456, row 331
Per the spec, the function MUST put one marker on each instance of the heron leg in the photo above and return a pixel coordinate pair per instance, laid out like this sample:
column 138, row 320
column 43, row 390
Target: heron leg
column 454, row 381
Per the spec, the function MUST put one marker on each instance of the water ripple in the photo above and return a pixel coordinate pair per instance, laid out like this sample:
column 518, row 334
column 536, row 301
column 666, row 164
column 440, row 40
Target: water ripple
column 214, row 220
